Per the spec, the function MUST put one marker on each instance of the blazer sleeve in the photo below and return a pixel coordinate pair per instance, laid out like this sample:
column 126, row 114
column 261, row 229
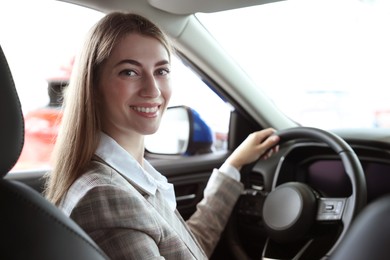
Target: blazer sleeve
column 213, row 211
column 119, row 223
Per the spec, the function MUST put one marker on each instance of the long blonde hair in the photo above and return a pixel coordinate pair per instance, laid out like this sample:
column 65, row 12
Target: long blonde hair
column 80, row 126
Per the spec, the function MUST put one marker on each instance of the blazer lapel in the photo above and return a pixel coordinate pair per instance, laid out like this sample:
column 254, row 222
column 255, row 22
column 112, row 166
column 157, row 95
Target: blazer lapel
column 177, row 223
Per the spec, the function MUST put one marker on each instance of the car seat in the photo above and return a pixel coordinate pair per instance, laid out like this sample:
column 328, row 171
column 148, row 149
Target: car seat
column 369, row 235
column 30, row 226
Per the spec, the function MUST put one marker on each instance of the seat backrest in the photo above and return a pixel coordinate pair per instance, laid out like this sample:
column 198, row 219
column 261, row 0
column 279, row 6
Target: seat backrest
column 30, row 226
column 369, row 235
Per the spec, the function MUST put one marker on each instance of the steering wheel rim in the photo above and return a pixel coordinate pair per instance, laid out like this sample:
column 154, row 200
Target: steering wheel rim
column 353, row 204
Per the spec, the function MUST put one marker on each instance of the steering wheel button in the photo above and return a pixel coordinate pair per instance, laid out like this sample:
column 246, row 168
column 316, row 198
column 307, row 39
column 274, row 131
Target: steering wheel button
column 329, row 207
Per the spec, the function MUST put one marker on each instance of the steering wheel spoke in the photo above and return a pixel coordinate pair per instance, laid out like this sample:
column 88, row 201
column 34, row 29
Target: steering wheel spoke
column 330, row 209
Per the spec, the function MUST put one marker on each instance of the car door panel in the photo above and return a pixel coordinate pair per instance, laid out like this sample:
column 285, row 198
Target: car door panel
column 189, row 175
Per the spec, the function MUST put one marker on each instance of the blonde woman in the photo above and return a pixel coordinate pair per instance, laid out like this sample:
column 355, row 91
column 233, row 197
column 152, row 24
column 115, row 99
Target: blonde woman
column 119, row 90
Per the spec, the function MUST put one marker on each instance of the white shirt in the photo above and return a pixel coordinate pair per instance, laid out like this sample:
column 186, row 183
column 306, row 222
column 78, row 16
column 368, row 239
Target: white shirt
column 146, row 178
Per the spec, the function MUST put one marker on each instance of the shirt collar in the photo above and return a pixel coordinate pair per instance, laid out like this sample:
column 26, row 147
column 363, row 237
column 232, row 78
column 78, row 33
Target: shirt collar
column 146, row 178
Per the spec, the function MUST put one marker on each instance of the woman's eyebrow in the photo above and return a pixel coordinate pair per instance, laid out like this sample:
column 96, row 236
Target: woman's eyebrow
column 162, row 62
column 128, row 61
column 136, row 63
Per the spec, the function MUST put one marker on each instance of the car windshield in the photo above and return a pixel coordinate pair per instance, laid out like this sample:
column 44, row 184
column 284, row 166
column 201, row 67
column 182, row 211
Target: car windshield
column 324, row 63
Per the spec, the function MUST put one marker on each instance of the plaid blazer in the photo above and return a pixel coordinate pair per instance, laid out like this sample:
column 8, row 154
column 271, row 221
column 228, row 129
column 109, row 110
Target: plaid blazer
column 130, row 224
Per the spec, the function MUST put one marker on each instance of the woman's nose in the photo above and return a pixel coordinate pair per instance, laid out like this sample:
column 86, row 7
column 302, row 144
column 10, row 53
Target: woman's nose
column 150, row 87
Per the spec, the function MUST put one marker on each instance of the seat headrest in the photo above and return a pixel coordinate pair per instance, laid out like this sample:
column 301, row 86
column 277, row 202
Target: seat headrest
column 11, row 119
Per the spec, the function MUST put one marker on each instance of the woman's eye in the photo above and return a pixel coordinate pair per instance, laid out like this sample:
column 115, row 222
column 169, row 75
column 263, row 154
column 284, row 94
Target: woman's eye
column 129, row 73
column 162, row 72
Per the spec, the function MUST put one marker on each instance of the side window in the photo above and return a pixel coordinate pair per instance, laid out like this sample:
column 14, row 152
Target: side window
column 190, row 90
column 40, row 49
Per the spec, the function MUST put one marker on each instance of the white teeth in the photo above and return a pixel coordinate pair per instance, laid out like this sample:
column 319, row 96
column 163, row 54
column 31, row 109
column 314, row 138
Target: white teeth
column 146, row 109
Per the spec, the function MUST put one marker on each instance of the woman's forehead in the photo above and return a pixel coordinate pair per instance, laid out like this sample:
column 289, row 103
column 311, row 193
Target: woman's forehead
column 135, row 45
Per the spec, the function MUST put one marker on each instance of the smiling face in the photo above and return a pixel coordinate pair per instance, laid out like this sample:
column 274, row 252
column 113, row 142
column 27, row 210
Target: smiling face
column 135, row 87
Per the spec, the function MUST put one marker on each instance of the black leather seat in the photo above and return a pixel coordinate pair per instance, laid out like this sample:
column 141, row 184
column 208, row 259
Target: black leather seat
column 30, row 226
column 369, row 235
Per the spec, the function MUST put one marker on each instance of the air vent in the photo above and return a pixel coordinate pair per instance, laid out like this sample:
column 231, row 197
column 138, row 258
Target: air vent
column 256, row 182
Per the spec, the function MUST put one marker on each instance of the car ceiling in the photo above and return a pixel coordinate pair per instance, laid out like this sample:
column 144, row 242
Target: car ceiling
column 179, row 7
column 172, row 15
column 205, row 6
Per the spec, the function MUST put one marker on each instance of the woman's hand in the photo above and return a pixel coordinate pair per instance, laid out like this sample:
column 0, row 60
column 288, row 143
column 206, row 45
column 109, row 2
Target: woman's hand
column 258, row 144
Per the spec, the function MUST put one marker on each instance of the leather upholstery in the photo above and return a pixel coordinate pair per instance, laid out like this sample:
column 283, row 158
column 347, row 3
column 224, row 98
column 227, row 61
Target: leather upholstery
column 11, row 119
column 369, row 235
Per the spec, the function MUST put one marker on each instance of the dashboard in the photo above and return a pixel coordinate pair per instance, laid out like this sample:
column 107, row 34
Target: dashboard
column 329, row 177
column 323, row 170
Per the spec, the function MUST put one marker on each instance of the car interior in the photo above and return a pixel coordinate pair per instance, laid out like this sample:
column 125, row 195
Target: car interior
column 324, row 195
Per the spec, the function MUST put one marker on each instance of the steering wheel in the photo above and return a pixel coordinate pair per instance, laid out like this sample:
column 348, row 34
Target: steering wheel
column 292, row 208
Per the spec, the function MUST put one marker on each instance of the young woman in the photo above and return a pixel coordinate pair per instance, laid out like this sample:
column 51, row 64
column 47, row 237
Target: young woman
column 119, row 90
